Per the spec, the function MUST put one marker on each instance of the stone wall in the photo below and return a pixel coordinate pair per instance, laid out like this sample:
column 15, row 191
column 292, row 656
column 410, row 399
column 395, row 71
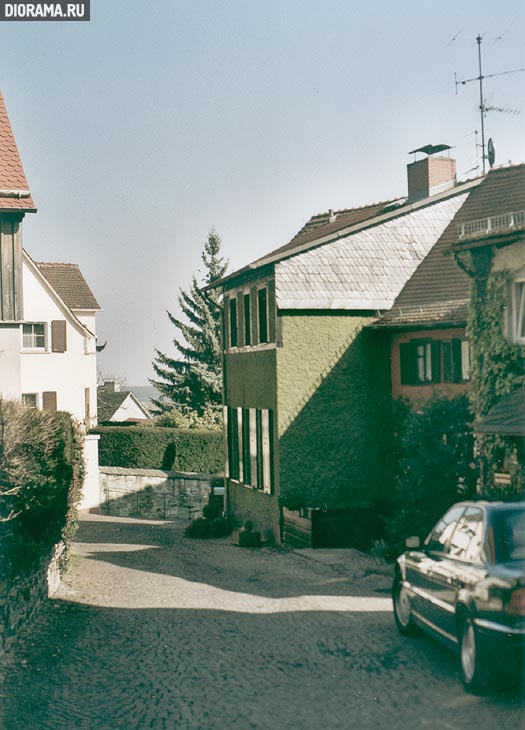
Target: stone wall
column 22, row 597
column 154, row 494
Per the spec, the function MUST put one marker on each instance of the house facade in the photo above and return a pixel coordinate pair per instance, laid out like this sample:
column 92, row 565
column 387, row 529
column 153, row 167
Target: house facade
column 489, row 245
column 119, row 406
column 308, row 383
column 47, row 318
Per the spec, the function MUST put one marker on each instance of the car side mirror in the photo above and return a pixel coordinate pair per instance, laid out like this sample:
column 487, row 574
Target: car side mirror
column 412, row 543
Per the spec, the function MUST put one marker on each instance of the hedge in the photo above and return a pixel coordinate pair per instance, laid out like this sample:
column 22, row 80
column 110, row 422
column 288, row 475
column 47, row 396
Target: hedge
column 41, row 477
column 150, row 447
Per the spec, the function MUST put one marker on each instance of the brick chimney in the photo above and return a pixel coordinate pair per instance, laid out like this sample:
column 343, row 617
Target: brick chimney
column 430, row 175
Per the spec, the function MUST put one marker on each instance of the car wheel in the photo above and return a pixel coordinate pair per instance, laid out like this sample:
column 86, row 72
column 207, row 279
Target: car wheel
column 474, row 665
column 402, row 610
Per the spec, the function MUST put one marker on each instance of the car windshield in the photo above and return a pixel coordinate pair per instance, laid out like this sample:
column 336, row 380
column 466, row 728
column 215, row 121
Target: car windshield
column 510, row 535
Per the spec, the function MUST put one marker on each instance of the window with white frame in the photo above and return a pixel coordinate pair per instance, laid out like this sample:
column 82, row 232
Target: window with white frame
column 30, row 400
column 34, row 336
column 517, row 311
column 250, row 447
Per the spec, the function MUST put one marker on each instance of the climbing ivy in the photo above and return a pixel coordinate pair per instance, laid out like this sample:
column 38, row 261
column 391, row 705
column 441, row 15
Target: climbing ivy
column 497, row 367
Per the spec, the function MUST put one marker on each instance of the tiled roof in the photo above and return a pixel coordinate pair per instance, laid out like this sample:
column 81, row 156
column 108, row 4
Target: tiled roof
column 438, row 280
column 507, row 417
column 12, row 176
column 366, row 269
column 69, row 284
column 323, row 224
column 109, row 402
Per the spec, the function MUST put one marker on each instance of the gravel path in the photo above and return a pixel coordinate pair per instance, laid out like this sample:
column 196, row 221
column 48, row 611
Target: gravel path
column 153, row 630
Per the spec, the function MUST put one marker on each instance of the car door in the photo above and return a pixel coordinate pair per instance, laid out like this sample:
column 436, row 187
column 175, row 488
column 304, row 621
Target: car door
column 459, row 569
column 421, row 574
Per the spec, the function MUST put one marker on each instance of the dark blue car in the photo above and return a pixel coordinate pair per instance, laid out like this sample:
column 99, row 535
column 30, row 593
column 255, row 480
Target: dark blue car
column 466, row 585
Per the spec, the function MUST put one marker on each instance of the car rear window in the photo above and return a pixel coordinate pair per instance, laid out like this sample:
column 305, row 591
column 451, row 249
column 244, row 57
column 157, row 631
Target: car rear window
column 509, row 528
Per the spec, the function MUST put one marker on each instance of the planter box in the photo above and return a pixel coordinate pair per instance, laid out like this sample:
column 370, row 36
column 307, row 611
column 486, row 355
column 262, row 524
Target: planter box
column 245, row 538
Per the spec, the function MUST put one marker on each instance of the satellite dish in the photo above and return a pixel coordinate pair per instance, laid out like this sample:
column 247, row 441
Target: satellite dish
column 491, row 152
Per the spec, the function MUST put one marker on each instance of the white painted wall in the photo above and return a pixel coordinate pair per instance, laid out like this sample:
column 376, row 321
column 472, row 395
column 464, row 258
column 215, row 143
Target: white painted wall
column 68, row 373
column 510, row 258
column 129, row 410
column 10, row 361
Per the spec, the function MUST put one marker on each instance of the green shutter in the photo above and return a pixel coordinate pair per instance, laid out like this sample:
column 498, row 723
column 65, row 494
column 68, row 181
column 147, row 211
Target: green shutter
column 253, row 309
column 240, row 320
column 407, row 356
column 456, row 361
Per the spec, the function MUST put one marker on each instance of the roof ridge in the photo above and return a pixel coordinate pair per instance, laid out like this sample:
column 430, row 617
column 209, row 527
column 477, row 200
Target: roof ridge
column 56, row 263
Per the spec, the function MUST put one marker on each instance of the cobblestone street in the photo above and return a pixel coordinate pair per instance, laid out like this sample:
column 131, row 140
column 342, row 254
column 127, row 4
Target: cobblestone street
column 153, row 630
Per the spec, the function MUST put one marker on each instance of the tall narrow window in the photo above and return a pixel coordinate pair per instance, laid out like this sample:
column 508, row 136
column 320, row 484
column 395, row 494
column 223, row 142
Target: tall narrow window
column 233, row 322
column 424, row 362
column 262, row 306
column 465, row 360
column 87, row 407
column 247, row 320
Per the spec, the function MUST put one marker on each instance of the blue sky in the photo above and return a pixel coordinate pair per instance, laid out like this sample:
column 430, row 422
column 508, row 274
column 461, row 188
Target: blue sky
column 145, row 127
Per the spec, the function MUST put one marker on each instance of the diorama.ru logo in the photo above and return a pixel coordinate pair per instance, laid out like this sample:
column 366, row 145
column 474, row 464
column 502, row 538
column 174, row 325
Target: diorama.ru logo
column 44, row 11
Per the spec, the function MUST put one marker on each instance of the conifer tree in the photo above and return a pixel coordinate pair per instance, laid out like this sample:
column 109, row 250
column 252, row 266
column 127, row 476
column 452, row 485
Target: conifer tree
column 193, row 378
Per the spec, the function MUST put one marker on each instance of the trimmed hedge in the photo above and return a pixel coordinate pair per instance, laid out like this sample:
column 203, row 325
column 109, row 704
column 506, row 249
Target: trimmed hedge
column 147, row 447
column 41, row 477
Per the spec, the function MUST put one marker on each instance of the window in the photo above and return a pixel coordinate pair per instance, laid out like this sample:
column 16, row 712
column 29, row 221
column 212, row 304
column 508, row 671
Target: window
column 466, row 542
column 247, row 320
column 434, row 361
column 233, row 322
column 262, row 307
column 517, row 311
column 30, row 400
column 34, row 336
column 250, row 447
column 439, row 538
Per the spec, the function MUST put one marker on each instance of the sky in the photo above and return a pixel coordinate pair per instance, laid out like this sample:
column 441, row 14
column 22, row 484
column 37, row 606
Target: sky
column 145, row 127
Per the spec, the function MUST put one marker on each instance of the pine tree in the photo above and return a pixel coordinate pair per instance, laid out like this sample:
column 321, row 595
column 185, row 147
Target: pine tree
column 194, row 379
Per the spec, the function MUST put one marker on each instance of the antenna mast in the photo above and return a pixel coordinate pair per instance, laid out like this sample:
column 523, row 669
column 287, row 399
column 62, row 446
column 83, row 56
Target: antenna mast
column 483, row 109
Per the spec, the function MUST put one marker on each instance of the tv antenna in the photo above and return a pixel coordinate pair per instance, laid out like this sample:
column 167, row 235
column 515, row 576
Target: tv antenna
column 483, row 108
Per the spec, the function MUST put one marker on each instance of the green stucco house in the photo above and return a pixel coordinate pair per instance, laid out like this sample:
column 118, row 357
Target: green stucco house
column 307, row 384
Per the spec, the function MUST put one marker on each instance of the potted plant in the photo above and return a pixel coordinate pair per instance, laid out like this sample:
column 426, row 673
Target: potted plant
column 246, row 537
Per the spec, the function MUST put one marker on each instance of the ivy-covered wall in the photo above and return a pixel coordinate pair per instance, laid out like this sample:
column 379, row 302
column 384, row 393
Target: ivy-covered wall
column 497, row 368
column 333, row 389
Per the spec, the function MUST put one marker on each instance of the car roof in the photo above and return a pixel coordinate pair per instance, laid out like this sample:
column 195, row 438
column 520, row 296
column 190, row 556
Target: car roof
column 498, row 506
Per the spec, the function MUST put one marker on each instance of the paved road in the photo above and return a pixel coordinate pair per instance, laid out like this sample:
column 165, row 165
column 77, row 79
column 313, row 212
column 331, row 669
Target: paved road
column 152, row 630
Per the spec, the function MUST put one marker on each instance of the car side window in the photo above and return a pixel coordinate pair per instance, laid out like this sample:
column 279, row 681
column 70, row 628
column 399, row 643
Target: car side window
column 466, row 542
column 439, row 538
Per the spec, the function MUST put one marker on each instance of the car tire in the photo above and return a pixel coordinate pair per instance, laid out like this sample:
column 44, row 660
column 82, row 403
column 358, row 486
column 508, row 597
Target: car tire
column 402, row 610
column 474, row 665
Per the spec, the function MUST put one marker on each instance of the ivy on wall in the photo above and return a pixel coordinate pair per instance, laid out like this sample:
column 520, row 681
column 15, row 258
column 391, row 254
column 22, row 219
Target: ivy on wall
column 497, row 367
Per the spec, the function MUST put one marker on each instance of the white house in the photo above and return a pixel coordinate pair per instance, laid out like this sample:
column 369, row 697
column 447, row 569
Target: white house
column 120, row 406
column 47, row 318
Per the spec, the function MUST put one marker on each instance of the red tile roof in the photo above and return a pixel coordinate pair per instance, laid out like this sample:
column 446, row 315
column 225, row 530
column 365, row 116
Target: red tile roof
column 12, row 176
column 69, row 284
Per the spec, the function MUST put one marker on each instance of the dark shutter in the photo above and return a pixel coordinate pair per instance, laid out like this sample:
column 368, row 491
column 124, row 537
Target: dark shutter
column 226, row 322
column 247, row 320
column 240, row 320
column 271, row 311
column 448, row 365
column 58, row 335
column 246, row 465
column 233, row 322
column 253, row 308
column 435, row 350
column 87, row 407
column 456, row 361
column 49, row 400
column 262, row 305
column 407, row 356
column 233, row 443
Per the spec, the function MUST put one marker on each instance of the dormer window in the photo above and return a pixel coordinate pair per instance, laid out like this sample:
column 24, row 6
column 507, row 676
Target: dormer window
column 34, row 336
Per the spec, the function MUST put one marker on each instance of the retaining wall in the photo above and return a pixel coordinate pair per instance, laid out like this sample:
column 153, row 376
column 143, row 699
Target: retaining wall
column 22, row 597
column 153, row 493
